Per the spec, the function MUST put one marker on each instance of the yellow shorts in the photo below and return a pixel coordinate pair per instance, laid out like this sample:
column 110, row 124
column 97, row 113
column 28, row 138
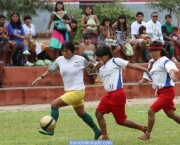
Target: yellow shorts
column 74, row 98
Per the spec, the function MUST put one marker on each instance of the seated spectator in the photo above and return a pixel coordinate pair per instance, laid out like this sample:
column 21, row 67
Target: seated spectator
column 106, row 36
column 167, row 31
column 73, row 26
column 87, row 49
column 121, row 33
column 30, row 30
column 2, row 73
column 135, row 34
column 4, row 45
column 154, row 29
column 12, row 46
column 176, row 40
column 16, row 33
column 145, row 36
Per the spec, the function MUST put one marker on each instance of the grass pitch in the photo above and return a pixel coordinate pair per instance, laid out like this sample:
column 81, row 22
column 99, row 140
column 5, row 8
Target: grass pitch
column 21, row 128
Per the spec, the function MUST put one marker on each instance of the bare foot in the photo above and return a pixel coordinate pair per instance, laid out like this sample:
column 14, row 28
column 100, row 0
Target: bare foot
column 144, row 137
column 105, row 138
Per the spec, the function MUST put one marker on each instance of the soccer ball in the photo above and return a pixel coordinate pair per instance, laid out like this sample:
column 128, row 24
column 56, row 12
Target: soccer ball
column 48, row 123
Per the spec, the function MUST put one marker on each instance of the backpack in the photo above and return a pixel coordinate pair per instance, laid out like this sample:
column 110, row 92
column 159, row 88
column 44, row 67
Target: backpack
column 18, row 58
column 129, row 49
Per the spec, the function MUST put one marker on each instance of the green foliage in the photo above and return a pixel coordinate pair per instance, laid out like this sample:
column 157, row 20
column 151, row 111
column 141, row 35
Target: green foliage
column 113, row 10
column 172, row 6
column 77, row 14
column 24, row 7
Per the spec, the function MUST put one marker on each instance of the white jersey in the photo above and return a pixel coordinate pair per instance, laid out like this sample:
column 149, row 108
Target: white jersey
column 111, row 74
column 159, row 74
column 30, row 30
column 135, row 28
column 71, row 71
column 154, row 30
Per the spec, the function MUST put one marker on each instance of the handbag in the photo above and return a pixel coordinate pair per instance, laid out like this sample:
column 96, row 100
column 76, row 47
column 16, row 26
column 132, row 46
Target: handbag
column 60, row 25
column 129, row 49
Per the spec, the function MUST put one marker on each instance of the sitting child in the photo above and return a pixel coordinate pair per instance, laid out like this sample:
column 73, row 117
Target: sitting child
column 145, row 36
column 176, row 40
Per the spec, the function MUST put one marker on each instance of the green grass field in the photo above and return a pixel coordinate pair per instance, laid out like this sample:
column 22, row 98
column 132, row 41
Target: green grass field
column 21, row 128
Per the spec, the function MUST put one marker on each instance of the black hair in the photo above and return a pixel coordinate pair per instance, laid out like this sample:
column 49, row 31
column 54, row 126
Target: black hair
column 175, row 28
column 103, row 50
column 122, row 16
column 87, row 37
column 104, row 20
column 59, row 2
column 156, row 43
column 139, row 13
column 2, row 16
column 26, row 17
column 68, row 45
column 1, row 25
column 141, row 29
column 73, row 20
column 168, row 16
column 18, row 23
column 153, row 13
column 88, row 7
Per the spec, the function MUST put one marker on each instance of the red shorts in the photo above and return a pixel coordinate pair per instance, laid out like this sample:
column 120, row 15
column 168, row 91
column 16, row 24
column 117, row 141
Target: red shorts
column 164, row 100
column 114, row 102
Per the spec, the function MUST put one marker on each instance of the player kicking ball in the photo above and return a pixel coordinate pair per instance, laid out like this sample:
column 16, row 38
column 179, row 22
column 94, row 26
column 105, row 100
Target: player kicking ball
column 114, row 101
column 162, row 75
column 71, row 68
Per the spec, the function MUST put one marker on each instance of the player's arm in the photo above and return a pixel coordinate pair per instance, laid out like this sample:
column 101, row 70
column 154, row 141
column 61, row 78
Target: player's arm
column 136, row 67
column 53, row 68
column 96, row 67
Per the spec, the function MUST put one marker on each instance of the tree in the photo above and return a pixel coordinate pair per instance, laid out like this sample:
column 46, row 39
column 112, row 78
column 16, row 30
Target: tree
column 172, row 6
column 24, row 7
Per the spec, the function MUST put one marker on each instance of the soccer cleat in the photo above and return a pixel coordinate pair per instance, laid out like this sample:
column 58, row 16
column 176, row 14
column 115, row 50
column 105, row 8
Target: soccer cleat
column 51, row 133
column 26, row 52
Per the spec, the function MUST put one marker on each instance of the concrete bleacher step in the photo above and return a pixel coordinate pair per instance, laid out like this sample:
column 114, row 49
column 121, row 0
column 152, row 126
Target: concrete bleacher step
column 46, row 94
column 24, row 76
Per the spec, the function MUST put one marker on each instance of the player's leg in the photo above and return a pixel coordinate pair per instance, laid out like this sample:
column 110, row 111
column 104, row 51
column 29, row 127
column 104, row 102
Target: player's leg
column 102, row 125
column 88, row 120
column 173, row 115
column 55, row 105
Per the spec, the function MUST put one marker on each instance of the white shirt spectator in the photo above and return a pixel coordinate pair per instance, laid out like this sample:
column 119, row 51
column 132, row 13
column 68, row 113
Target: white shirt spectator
column 159, row 74
column 154, row 30
column 29, row 30
column 111, row 74
column 135, row 28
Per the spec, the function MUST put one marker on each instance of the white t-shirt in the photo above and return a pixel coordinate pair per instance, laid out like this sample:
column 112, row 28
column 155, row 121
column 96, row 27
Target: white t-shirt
column 159, row 74
column 111, row 74
column 154, row 30
column 71, row 71
column 135, row 28
column 28, row 30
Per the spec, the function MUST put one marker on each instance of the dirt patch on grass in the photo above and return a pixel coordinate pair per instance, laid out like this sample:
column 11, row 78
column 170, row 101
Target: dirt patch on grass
column 88, row 104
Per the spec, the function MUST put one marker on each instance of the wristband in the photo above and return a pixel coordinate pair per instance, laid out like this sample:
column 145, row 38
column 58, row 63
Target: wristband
column 41, row 77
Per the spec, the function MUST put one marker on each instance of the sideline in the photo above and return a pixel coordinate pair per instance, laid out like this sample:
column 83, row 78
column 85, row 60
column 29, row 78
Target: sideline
column 88, row 104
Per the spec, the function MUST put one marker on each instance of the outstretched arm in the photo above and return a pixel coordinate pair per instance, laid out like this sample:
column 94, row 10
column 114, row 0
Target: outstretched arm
column 136, row 67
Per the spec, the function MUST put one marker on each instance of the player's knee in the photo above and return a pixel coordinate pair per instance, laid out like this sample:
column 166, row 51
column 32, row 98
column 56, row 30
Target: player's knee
column 151, row 112
column 99, row 115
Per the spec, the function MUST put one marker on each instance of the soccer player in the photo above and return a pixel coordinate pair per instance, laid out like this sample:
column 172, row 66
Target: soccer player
column 71, row 69
column 162, row 75
column 114, row 101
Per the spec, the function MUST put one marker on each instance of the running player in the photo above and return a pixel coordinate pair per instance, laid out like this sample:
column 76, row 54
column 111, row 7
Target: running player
column 71, row 69
column 162, row 75
column 110, row 71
